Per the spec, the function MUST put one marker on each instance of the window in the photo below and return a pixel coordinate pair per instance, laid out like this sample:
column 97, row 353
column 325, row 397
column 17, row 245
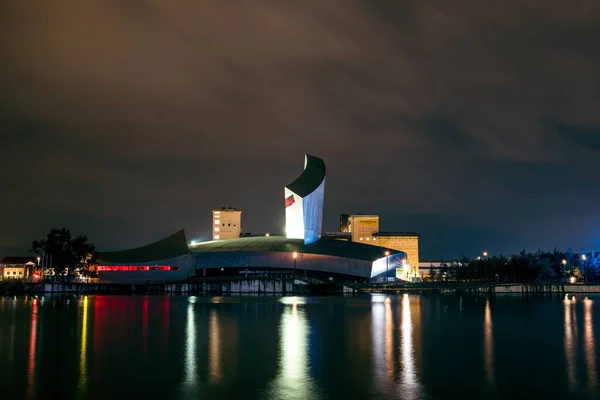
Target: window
column 217, row 229
column 223, row 224
column 217, row 221
column 217, row 237
column 228, row 224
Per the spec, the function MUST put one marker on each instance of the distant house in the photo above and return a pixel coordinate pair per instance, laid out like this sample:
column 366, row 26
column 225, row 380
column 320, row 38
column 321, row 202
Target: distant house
column 17, row 267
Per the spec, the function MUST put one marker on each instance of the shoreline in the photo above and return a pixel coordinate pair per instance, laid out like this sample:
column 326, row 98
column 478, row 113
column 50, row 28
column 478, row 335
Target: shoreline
column 283, row 286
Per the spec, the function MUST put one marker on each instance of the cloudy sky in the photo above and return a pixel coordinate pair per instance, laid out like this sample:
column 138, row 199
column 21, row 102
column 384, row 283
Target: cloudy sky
column 476, row 124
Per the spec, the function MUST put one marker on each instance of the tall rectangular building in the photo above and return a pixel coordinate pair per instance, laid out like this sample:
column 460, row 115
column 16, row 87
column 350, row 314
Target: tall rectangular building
column 227, row 223
column 363, row 227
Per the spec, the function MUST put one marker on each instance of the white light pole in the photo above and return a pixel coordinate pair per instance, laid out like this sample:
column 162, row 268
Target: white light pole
column 295, row 255
column 387, row 265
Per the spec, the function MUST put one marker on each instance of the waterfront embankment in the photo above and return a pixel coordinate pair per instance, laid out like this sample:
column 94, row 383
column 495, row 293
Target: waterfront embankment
column 287, row 285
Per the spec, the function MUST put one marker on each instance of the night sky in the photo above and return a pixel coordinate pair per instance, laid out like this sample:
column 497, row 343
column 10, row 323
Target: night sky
column 474, row 123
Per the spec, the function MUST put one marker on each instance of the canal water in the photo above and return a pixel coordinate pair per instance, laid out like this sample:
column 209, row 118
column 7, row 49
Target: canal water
column 360, row 347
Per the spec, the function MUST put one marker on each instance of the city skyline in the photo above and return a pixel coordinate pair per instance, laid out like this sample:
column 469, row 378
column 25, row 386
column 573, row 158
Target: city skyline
column 474, row 125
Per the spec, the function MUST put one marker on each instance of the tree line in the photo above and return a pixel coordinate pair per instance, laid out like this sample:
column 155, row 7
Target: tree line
column 521, row 267
column 64, row 256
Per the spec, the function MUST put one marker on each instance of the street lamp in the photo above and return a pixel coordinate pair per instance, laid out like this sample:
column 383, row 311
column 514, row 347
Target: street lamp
column 387, row 265
column 564, row 263
column 485, row 253
column 583, row 260
column 295, row 255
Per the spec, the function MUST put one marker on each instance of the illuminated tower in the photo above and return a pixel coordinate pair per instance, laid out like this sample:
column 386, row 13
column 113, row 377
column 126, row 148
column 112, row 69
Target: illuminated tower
column 227, row 223
column 304, row 202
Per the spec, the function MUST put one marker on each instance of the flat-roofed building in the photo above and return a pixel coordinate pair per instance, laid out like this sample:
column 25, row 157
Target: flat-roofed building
column 227, row 223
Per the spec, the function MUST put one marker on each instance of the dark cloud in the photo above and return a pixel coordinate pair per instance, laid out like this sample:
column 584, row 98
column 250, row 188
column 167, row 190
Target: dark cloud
column 128, row 121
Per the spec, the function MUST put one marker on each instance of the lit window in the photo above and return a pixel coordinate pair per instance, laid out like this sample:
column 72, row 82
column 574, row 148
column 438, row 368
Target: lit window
column 374, row 238
column 367, row 238
column 216, row 237
column 217, row 221
column 360, row 238
column 217, row 212
column 217, row 229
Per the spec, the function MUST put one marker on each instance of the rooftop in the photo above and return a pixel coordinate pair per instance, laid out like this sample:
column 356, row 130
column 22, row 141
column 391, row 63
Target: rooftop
column 170, row 247
column 406, row 234
column 323, row 246
column 18, row 260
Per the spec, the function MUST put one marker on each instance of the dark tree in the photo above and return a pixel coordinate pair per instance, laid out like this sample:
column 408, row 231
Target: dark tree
column 67, row 255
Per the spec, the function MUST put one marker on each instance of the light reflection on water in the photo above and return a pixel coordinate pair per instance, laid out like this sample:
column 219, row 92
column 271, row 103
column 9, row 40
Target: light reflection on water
column 410, row 387
column 570, row 340
column 293, row 380
column 298, row 348
column 214, row 365
column 589, row 343
column 32, row 347
column 488, row 343
column 83, row 349
column 190, row 379
column 397, row 380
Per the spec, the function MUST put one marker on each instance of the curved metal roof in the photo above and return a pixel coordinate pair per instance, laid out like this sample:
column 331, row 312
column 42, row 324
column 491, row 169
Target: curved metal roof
column 311, row 178
column 169, row 247
column 323, row 246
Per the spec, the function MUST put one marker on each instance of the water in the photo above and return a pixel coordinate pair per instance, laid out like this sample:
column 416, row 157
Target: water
column 407, row 346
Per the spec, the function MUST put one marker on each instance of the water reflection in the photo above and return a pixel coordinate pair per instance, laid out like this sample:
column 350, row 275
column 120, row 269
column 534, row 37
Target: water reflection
column 389, row 340
column 83, row 349
column 378, row 331
column 190, row 347
column 488, row 343
column 410, row 387
column 32, row 343
column 145, row 326
column 294, row 380
column 589, row 342
column 570, row 344
column 214, row 366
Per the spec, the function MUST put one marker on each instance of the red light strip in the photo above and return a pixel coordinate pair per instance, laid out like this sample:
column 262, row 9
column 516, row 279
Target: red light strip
column 137, row 268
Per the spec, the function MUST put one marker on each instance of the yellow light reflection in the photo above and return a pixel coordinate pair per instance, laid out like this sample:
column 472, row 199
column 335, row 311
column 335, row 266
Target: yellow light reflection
column 190, row 347
column 389, row 340
column 378, row 334
column 488, row 343
column 409, row 382
column 570, row 345
column 32, row 343
column 293, row 380
column 214, row 365
column 83, row 349
column 589, row 343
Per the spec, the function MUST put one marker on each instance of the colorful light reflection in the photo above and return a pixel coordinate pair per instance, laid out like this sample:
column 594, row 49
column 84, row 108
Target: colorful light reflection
column 83, row 350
